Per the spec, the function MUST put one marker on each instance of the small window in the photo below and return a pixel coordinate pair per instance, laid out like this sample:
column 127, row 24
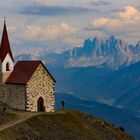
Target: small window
column 7, row 66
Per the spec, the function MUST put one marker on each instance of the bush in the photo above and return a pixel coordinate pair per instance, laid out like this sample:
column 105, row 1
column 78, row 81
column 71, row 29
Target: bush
column 121, row 128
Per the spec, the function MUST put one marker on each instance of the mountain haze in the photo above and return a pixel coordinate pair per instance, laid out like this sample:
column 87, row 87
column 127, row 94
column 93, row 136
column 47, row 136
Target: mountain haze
column 108, row 52
column 111, row 52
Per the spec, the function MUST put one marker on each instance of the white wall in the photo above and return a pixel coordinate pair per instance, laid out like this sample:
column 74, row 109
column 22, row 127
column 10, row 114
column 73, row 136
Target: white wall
column 10, row 61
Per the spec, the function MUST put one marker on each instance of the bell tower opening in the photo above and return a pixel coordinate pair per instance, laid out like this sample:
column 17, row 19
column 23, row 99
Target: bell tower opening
column 7, row 66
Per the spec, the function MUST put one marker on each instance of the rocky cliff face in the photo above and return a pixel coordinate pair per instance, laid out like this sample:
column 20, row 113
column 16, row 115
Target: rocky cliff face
column 110, row 52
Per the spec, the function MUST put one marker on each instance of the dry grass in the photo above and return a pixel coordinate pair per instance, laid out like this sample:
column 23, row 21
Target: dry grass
column 66, row 125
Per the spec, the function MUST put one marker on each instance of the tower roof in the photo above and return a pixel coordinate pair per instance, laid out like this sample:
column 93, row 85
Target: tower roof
column 5, row 45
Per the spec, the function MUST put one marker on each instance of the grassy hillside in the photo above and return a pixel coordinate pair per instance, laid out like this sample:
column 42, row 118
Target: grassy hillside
column 111, row 114
column 63, row 125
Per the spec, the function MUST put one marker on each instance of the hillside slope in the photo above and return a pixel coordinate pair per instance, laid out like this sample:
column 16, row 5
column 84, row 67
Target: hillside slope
column 117, row 88
column 66, row 125
column 111, row 114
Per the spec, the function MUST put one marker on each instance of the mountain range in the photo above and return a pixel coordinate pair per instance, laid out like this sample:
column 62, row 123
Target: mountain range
column 109, row 52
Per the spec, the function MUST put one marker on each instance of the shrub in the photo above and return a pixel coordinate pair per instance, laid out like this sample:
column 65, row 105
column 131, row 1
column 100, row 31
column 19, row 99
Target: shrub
column 121, row 128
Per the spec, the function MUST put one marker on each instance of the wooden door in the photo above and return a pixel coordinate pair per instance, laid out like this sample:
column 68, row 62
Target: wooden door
column 40, row 104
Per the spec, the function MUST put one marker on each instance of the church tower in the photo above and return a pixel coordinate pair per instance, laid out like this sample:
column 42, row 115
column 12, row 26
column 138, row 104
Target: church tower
column 6, row 60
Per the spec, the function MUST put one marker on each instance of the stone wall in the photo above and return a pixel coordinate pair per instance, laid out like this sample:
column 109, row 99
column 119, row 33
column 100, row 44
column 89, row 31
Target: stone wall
column 1, row 87
column 4, row 75
column 40, row 85
column 3, row 78
column 16, row 96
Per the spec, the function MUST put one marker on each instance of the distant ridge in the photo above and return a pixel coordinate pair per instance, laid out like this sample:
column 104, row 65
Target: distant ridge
column 108, row 52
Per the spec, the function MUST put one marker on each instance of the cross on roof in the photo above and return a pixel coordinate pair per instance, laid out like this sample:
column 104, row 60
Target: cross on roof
column 4, row 19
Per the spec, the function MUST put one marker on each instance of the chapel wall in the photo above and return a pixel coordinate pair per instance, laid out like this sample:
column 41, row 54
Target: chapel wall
column 16, row 96
column 3, row 92
column 41, row 84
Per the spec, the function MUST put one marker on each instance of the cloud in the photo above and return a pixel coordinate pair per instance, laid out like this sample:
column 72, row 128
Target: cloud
column 52, row 37
column 129, row 17
column 129, row 12
column 74, row 42
column 100, row 3
column 50, row 33
column 46, row 2
column 124, row 24
column 54, row 10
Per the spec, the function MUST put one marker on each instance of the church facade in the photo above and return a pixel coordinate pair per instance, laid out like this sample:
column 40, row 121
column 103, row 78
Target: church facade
column 27, row 85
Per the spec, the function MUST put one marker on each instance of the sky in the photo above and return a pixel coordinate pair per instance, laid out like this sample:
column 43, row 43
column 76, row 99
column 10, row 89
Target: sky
column 58, row 25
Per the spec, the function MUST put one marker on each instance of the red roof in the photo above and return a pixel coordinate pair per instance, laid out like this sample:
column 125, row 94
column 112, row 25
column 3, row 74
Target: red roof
column 5, row 45
column 23, row 71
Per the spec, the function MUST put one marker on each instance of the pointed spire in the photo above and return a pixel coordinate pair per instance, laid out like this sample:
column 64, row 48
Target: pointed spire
column 5, row 45
column 4, row 20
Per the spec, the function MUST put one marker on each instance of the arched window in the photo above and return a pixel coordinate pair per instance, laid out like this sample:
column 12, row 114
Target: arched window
column 7, row 66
